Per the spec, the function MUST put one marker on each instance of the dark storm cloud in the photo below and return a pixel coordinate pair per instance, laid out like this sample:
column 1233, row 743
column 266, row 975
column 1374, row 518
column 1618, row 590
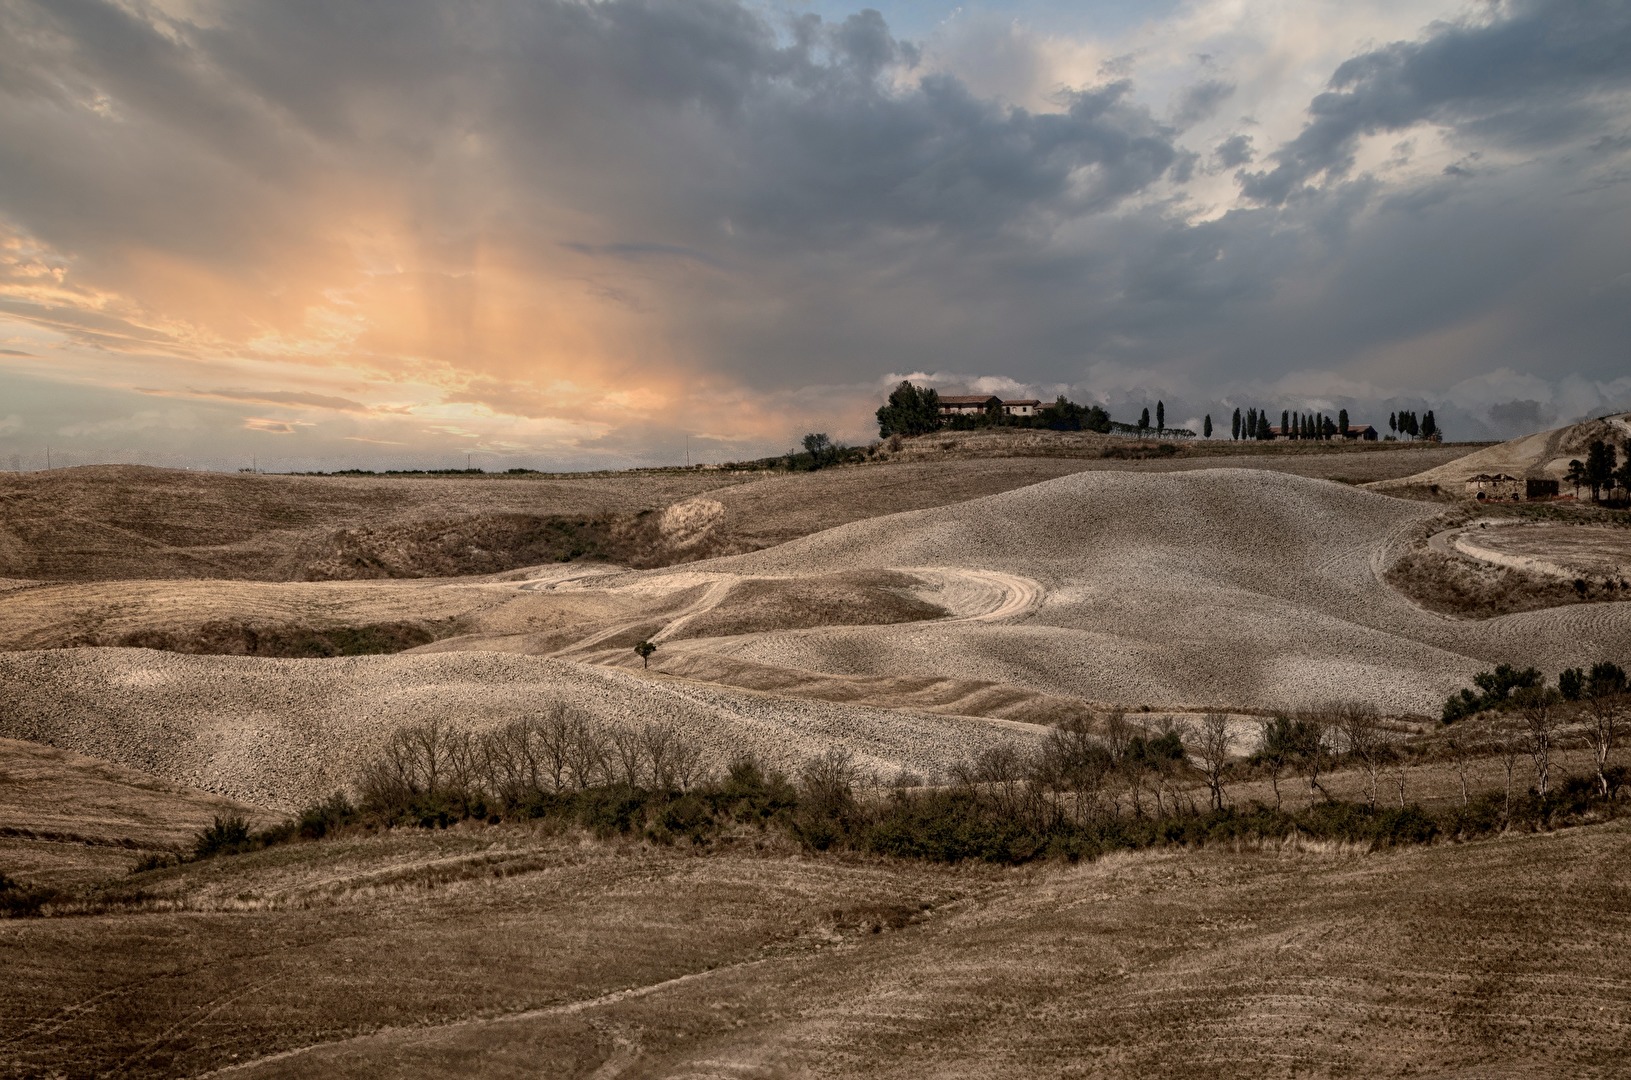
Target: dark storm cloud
column 1532, row 78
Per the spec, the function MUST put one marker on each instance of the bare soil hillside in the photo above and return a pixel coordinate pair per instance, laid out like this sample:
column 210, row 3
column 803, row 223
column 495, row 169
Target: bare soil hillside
column 494, row 953
column 1216, row 588
column 284, row 733
column 129, row 522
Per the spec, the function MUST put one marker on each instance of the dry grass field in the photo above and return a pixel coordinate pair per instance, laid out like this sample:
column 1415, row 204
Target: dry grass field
column 500, row 953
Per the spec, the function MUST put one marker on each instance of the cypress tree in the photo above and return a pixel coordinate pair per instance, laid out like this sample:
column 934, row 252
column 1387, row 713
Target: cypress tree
column 1206, row 427
column 1160, row 416
column 1342, row 422
column 1285, row 423
column 1235, row 431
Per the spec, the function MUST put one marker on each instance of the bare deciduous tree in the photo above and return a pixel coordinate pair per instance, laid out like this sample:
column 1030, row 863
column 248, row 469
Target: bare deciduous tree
column 1212, row 740
column 1275, row 750
column 1117, row 733
column 1311, row 736
column 1461, row 759
column 1359, row 729
column 1538, row 707
column 999, row 771
column 1073, row 760
column 1509, row 746
column 1398, row 771
column 1604, row 713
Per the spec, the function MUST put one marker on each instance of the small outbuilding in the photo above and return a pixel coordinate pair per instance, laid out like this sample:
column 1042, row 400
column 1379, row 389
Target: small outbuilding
column 1540, row 487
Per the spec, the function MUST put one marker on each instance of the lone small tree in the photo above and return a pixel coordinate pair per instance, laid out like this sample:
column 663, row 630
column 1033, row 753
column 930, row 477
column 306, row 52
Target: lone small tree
column 819, row 447
column 644, row 651
column 1206, row 426
column 1576, row 475
column 1160, row 416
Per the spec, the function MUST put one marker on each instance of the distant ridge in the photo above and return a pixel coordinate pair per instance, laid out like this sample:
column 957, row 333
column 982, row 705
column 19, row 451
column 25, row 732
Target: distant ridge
column 1543, row 454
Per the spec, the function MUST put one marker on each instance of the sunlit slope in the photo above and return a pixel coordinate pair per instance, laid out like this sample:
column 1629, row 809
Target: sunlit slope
column 280, row 733
column 1228, row 587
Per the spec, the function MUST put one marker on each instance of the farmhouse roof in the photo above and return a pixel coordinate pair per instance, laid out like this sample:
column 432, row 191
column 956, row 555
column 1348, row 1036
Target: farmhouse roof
column 967, row 399
column 1022, row 401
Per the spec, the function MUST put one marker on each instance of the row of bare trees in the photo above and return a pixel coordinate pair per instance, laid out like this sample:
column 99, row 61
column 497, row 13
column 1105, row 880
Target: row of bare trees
column 528, row 759
column 1122, row 760
column 1085, row 768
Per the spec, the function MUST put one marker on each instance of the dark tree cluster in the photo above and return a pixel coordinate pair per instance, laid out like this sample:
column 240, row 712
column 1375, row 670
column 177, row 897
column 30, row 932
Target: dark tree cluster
column 1602, row 471
column 1408, row 423
column 911, row 410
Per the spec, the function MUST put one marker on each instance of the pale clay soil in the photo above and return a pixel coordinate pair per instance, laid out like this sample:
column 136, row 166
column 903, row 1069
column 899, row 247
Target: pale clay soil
column 1220, row 588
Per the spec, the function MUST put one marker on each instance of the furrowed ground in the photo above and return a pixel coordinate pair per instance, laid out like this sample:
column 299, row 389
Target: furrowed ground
column 488, row 951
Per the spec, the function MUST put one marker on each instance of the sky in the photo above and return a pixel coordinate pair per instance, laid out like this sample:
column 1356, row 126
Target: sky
column 562, row 234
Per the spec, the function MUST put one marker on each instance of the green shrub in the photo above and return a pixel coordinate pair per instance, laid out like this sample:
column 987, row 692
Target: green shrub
column 320, row 819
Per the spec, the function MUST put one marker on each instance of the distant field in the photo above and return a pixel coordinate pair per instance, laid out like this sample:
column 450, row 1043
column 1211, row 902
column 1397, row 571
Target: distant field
column 124, row 522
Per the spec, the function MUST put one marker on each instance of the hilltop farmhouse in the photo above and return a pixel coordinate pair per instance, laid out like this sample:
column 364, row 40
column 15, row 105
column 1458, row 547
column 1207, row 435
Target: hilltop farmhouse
column 979, row 404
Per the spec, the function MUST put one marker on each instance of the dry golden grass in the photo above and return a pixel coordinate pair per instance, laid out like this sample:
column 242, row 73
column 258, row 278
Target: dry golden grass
column 497, row 953
column 66, row 819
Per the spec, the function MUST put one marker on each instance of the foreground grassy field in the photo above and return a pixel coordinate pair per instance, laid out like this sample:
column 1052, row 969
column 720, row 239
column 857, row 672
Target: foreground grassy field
column 498, row 952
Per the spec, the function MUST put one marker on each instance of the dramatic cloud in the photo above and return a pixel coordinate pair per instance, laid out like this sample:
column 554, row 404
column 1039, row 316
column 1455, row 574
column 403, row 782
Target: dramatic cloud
column 1537, row 75
column 562, row 232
